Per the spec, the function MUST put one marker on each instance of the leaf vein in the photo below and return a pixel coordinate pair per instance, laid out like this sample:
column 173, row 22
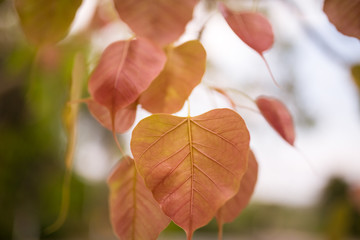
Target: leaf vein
column 213, row 159
column 160, row 137
column 177, row 188
column 216, row 134
column 206, row 175
column 167, row 158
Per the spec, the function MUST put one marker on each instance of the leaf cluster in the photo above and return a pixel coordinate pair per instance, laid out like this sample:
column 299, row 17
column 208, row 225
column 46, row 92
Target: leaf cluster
column 184, row 169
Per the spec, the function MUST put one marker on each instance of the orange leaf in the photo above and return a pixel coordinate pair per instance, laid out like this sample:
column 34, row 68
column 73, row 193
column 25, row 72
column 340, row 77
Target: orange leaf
column 134, row 213
column 345, row 15
column 161, row 21
column 189, row 164
column 251, row 27
column 123, row 119
column 183, row 70
column 277, row 115
column 235, row 205
column 125, row 70
column 46, row 21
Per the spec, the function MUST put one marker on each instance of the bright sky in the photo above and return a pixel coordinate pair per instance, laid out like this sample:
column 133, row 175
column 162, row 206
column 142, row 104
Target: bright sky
column 324, row 91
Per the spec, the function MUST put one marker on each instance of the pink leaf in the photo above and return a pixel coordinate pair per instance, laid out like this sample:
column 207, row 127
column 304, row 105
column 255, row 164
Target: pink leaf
column 235, row 205
column 161, row 21
column 278, row 116
column 125, row 70
column 251, row 27
column 134, row 213
column 123, row 119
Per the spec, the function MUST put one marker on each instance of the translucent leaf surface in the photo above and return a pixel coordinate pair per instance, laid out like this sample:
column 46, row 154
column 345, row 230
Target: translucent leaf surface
column 278, row 116
column 123, row 119
column 125, row 70
column 45, row 21
column 235, row 205
column 134, row 213
column 345, row 15
column 251, row 27
column 183, row 70
column 161, row 21
column 192, row 165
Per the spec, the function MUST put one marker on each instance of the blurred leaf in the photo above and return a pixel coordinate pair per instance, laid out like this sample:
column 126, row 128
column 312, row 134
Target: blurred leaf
column 278, row 116
column 116, row 81
column 235, row 205
column 134, row 212
column 46, row 21
column 183, row 70
column 124, row 117
column 345, row 15
column 189, row 164
column 355, row 71
column 251, row 27
column 161, row 21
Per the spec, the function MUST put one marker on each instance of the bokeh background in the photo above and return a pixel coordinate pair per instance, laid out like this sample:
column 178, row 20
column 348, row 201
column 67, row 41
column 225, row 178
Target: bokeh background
column 310, row 191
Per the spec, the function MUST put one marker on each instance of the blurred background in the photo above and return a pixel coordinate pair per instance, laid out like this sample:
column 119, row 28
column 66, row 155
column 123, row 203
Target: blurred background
column 310, row 191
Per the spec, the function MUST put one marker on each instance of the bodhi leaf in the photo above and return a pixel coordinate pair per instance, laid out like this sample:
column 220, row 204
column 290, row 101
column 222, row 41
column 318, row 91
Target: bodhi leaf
column 251, row 27
column 123, row 119
column 161, row 21
column 116, row 81
column 125, row 70
column 45, row 21
column 278, row 116
column 183, row 70
column 134, row 213
column 235, row 205
column 345, row 15
column 189, row 164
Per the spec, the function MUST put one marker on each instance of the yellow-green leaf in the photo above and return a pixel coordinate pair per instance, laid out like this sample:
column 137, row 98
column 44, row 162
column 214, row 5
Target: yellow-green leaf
column 46, row 21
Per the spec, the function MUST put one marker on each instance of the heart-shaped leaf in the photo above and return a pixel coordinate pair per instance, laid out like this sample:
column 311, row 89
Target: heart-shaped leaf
column 278, row 116
column 125, row 70
column 192, row 165
column 235, row 205
column 251, row 27
column 161, row 21
column 123, row 119
column 134, row 213
column 45, row 21
column 345, row 15
column 183, row 70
